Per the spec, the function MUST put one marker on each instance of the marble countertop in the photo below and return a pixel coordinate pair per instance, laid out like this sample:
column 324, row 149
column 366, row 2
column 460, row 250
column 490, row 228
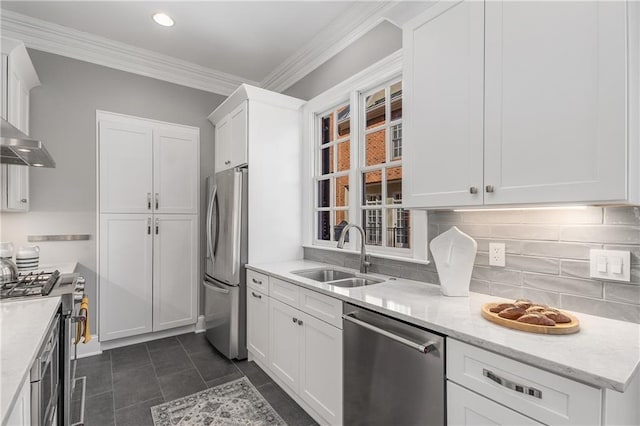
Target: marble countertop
column 23, row 325
column 605, row 353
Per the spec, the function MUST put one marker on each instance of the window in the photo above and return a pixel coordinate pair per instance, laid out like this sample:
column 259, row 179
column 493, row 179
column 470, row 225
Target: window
column 333, row 163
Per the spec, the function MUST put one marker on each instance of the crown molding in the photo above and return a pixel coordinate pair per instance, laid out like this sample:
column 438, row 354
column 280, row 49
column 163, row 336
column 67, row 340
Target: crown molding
column 65, row 41
column 350, row 26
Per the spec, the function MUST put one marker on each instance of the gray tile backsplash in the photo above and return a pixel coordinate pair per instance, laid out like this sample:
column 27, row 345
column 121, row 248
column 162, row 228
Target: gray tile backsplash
column 547, row 256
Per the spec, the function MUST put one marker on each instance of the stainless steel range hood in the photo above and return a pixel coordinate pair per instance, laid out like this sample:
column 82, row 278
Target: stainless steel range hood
column 18, row 148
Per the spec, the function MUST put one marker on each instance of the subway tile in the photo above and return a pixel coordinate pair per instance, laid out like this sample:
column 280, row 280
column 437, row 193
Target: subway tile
column 474, row 231
column 482, row 259
column 580, row 287
column 532, row 264
column 498, row 275
column 479, row 286
column 622, row 215
column 489, row 217
column 575, row 268
column 603, row 308
column 510, row 246
column 444, row 217
column 525, row 232
column 506, row 291
column 626, row 293
column 608, row 234
column 634, row 249
column 589, row 215
column 540, row 296
column 558, row 249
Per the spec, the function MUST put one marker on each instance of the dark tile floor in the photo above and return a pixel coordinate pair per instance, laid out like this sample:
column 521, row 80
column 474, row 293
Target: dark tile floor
column 124, row 383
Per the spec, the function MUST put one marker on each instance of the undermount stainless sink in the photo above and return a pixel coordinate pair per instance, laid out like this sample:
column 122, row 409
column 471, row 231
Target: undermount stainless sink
column 324, row 275
column 336, row 277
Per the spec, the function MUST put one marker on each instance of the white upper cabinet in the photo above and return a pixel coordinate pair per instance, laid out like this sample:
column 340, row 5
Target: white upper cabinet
column 520, row 103
column 126, row 168
column 555, row 102
column 176, row 172
column 443, row 119
column 147, row 166
column 231, row 139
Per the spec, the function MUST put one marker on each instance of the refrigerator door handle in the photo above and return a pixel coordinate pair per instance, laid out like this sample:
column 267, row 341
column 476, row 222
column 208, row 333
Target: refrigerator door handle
column 214, row 287
column 210, row 244
column 237, row 208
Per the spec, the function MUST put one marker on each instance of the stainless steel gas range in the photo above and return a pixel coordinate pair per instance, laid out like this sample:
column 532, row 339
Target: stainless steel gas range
column 51, row 374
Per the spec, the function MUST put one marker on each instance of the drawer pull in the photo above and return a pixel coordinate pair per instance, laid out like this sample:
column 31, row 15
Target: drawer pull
column 256, row 281
column 512, row 385
column 256, row 295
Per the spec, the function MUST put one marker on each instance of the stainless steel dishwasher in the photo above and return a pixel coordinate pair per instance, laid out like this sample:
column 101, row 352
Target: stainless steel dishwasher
column 393, row 371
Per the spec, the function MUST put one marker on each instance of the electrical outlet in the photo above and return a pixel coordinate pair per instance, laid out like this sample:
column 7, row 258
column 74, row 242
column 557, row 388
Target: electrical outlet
column 496, row 254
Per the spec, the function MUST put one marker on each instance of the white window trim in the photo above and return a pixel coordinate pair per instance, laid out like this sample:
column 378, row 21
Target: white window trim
column 376, row 75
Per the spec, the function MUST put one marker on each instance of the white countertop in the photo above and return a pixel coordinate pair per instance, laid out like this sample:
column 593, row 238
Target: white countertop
column 23, row 324
column 605, row 353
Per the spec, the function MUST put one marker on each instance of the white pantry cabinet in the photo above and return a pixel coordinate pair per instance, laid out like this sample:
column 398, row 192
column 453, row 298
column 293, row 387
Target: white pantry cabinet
column 505, row 105
column 231, row 139
column 304, row 348
column 149, row 201
column 18, row 78
column 147, row 166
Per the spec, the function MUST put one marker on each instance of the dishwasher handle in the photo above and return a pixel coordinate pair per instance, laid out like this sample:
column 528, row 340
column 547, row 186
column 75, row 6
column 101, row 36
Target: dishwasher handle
column 424, row 348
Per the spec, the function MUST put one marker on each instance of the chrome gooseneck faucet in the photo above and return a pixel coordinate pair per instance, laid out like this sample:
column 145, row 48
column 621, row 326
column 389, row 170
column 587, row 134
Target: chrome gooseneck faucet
column 365, row 259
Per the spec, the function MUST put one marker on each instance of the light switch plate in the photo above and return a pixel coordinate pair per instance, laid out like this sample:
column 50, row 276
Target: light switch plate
column 497, row 254
column 614, row 261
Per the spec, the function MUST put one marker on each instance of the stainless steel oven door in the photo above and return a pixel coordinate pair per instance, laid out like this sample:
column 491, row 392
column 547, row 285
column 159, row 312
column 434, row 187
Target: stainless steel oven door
column 45, row 379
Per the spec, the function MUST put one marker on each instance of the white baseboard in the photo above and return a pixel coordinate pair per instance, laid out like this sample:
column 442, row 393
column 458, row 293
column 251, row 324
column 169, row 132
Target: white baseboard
column 88, row 349
column 200, row 327
column 126, row 341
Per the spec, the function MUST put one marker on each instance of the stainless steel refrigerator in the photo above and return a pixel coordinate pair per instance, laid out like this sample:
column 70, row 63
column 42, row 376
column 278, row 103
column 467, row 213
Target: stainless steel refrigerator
column 226, row 256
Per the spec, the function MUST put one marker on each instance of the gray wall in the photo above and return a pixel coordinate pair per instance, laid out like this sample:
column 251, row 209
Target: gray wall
column 63, row 108
column 547, row 256
column 375, row 45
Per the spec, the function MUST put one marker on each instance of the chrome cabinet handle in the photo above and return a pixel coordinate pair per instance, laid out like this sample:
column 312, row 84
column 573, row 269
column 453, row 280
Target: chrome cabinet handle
column 256, row 281
column 148, row 201
column 256, row 295
column 157, row 226
column 300, row 322
column 426, row 348
column 489, row 188
column 23, row 200
column 157, row 196
column 527, row 390
column 295, row 320
column 227, row 162
column 473, row 190
column 148, row 226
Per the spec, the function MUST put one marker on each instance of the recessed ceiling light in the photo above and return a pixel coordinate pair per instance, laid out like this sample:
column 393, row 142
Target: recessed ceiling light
column 163, row 19
column 37, row 165
column 24, row 150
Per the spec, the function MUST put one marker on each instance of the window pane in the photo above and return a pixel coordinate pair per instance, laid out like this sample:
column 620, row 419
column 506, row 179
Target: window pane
column 342, row 191
column 324, row 226
column 396, row 141
column 342, row 219
column 396, row 101
column 398, row 227
column 376, row 148
column 327, row 128
column 344, row 121
column 372, row 220
column 323, row 193
column 326, row 160
column 344, row 156
column 394, row 185
column 375, row 105
column 372, row 194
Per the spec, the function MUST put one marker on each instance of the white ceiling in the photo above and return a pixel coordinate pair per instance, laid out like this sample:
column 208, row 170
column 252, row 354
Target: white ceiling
column 246, row 39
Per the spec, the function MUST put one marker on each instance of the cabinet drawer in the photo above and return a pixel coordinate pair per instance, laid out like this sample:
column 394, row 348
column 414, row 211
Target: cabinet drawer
column 544, row 396
column 321, row 306
column 258, row 281
column 284, row 291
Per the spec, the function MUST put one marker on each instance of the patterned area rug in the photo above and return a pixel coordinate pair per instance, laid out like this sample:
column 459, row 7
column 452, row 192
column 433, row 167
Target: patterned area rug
column 233, row 403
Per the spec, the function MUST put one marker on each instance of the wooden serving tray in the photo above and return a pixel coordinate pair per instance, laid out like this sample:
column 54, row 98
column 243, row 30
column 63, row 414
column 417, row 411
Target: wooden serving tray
column 565, row 328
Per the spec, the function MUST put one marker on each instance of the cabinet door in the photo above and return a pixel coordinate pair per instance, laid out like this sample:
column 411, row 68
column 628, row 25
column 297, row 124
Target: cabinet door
column 284, row 343
column 238, row 118
column 258, row 325
column 17, row 187
column 555, row 100
column 125, row 275
column 176, row 171
column 20, row 414
column 126, row 158
column 467, row 408
column 223, row 145
column 443, row 121
column 175, row 271
column 321, row 368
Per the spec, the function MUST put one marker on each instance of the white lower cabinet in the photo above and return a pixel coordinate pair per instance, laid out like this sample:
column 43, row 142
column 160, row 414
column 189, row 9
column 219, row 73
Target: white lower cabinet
column 470, row 409
column 20, row 414
column 298, row 347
